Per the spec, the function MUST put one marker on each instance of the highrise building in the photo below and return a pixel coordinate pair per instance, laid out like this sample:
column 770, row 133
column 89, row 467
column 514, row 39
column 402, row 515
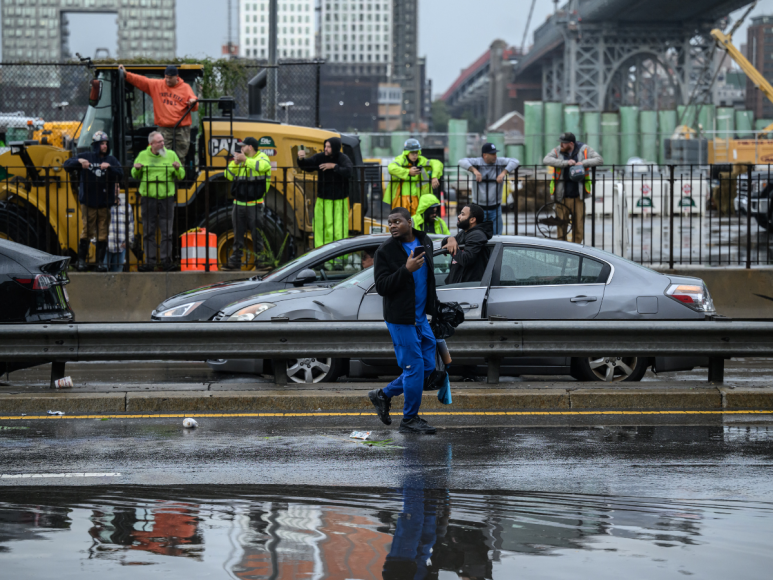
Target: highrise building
column 356, row 36
column 295, row 29
column 405, row 70
column 36, row 30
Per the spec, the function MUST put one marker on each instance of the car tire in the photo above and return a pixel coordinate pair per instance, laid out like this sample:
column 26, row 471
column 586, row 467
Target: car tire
column 312, row 370
column 610, row 368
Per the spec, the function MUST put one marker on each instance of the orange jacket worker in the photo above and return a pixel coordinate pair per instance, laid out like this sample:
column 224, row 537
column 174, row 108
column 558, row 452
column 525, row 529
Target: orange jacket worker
column 171, row 98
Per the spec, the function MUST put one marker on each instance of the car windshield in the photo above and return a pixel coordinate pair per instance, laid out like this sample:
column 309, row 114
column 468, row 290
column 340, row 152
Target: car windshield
column 310, row 255
column 362, row 279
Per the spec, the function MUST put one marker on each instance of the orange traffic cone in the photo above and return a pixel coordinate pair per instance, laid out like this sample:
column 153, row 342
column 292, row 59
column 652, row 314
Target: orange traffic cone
column 442, row 204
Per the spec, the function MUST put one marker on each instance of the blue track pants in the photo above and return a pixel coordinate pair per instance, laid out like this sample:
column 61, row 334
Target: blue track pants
column 415, row 351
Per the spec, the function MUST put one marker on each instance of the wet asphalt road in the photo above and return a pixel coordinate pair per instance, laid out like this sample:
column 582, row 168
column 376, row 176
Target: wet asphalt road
column 709, row 459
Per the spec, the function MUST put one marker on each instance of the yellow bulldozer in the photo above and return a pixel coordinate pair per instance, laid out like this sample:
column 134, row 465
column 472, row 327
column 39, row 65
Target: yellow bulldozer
column 39, row 200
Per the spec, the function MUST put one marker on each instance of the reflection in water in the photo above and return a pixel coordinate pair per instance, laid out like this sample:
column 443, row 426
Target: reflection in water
column 407, row 533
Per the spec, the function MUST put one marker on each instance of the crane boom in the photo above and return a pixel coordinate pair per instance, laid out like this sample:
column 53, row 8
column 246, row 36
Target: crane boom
column 759, row 81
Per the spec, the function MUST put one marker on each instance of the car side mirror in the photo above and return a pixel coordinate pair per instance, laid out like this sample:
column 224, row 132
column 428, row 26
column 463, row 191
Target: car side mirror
column 304, row 277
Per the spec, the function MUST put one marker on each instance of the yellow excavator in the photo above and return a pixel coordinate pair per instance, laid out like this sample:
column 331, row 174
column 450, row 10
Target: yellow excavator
column 39, row 200
column 743, row 151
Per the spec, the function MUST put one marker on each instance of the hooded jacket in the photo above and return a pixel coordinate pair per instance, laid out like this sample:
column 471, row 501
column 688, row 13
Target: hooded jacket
column 395, row 283
column 426, row 201
column 157, row 176
column 333, row 183
column 404, row 184
column 97, row 186
column 471, row 260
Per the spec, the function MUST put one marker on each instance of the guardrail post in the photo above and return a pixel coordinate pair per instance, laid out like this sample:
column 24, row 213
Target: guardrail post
column 716, row 369
column 749, row 216
column 671, row 185
column 280, row 372
column 57, row 372
column 593, row 207
column 492, row 375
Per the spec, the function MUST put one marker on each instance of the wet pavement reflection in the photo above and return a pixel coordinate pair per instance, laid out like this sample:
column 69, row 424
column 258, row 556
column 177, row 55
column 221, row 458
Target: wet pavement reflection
column 407, row 532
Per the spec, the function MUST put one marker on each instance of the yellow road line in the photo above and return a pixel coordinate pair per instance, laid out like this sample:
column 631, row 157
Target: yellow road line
column 371, row 414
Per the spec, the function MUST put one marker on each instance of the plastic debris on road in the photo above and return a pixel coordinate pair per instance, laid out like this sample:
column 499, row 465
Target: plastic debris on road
column 56, row 412
column 189, row 423
column 359, row 435
column 65, row 383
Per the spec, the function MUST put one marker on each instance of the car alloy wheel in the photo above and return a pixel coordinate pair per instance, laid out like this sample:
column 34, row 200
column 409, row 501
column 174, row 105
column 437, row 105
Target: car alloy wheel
column 614, row 368
column 310, row 370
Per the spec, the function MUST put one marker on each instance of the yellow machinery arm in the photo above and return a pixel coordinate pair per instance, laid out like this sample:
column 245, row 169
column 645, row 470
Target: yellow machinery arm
column 752, row 73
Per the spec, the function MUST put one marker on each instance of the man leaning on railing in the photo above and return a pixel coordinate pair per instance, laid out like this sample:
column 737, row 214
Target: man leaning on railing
column 157, row 169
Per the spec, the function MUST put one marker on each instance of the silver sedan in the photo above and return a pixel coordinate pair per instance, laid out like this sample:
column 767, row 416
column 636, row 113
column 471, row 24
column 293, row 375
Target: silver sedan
column 526, row 279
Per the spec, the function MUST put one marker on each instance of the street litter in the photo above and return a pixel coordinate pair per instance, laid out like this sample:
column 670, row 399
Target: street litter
column 189, row 423
column 4, row 428
column 64, row 383
column 56, row 412
column 359, row 435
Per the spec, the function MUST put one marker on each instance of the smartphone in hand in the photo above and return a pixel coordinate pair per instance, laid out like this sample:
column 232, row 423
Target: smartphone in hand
column 418, row 251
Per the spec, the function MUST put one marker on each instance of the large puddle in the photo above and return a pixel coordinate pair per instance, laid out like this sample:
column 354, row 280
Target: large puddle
column 350, row 533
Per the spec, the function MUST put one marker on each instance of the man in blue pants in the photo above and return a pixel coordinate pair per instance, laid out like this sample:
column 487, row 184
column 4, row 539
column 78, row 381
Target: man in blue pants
column 404, row 276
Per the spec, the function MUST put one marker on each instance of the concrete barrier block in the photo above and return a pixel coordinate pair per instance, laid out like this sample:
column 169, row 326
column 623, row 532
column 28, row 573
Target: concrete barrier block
column 642, row 398
column 747, row 398
column 69, row 403
column 122, row 297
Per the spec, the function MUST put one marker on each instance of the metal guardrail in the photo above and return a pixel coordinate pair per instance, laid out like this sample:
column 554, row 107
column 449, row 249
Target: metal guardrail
column 279, row 341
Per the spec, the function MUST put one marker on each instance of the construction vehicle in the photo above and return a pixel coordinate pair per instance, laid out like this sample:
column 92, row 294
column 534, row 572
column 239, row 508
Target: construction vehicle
column 39, row 201
column 742, row 151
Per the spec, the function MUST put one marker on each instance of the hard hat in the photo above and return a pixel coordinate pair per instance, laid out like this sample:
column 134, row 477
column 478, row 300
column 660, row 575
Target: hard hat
column 100, row 136
column 412, row 145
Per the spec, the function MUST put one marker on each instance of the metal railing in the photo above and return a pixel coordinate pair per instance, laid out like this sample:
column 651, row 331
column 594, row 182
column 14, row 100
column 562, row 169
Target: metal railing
column 653, row 215
column 493, row 340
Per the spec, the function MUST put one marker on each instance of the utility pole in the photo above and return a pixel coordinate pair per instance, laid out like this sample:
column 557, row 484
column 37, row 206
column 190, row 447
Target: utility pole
column 273, row 86
column 230, row 30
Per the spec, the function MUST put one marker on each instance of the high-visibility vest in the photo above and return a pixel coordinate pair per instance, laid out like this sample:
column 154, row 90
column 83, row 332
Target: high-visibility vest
column 198, row 247
column 557, row 176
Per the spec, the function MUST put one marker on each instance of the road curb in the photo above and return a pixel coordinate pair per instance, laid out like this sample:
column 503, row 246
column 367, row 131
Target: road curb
column 181, row 401
column 478, row 399
column 642, row 398
column 747, row 398
column 81, row 403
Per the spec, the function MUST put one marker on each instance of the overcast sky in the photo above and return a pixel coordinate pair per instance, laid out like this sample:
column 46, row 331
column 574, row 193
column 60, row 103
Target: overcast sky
column 452, row 33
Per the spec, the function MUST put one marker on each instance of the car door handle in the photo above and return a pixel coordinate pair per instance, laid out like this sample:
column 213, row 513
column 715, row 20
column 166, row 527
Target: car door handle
column 468, row 306
column 583, row 299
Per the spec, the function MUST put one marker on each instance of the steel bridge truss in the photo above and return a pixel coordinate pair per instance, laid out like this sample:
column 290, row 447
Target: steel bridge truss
column 605, row 66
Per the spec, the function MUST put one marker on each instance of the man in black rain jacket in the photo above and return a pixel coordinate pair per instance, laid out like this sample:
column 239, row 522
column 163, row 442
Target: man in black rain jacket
column 100, row 172
column 331, row 211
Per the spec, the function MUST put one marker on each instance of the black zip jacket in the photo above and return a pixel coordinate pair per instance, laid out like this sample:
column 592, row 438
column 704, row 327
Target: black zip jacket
column 395, row 283
column 333, row 183
column 97, row 186
column 471, row 260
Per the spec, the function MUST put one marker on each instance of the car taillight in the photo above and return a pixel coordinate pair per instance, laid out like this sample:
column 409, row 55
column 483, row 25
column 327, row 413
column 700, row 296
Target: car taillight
column 694, row 296
column 39, row 282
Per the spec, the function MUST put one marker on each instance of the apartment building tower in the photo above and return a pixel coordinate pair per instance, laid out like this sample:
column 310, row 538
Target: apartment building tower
column 295, row 29
column 36, row 30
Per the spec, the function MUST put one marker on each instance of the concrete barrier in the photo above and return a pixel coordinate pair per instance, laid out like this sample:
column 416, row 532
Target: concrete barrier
column 131, row 297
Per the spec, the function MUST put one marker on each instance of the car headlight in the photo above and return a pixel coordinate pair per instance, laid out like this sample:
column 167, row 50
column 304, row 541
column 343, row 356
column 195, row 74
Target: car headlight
column 182, row 310
column 250, row 312
column 695, row 296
